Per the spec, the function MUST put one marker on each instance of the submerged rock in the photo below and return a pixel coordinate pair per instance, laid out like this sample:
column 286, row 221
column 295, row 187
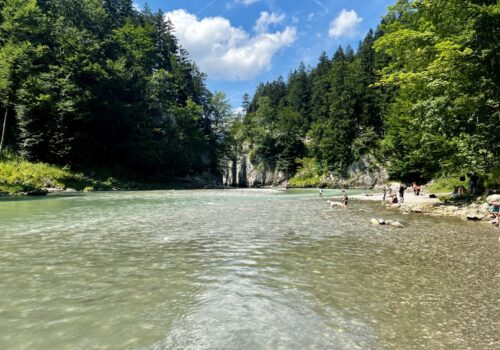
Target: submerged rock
column 397, row 224
column 386, row 222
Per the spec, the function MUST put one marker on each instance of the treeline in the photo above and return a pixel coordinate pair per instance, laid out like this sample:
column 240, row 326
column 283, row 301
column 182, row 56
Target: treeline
column 420, row 93
column 96, row 84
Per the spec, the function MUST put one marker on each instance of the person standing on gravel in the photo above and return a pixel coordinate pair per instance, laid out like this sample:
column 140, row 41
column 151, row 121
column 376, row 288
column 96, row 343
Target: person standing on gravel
column 402, row 189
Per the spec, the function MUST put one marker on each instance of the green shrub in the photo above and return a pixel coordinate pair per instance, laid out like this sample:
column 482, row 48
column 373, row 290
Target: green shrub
column 447, row 184
column 304, row 182
column 308, row 173
column 492, row 180
column 21, row 176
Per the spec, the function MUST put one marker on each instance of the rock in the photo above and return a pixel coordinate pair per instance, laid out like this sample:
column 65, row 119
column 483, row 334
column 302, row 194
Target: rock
column 245, row 172
column 70, row 190
column 432, row 196
column 472, row 217
column 386, row 222
column 53, row 189
column 397, row 224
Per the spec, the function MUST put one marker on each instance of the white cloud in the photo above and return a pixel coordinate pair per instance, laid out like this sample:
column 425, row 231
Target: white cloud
column 225, row 52
column 266, row 19
column 247, row 2
column 345, row 24
column 239, row 111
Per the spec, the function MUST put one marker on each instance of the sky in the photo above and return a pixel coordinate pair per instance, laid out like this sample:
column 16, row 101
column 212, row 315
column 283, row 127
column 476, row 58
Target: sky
column 239, row 43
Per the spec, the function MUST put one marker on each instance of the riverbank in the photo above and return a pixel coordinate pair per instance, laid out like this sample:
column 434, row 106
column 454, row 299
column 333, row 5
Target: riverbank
column 19, row 177
column 424, row 204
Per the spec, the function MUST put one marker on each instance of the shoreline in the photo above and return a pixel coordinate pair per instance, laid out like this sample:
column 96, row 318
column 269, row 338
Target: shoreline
column 424, row 205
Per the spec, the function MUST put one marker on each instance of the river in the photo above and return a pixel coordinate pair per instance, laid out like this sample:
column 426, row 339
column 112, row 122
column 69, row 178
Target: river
column 241, row 269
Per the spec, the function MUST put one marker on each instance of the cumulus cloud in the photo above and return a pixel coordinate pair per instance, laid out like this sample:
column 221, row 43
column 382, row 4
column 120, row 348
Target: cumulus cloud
column 266, row 19
column 225, row 52
column 345, row 24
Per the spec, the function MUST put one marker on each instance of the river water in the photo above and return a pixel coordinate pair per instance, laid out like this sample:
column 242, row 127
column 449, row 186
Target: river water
column 241, row 269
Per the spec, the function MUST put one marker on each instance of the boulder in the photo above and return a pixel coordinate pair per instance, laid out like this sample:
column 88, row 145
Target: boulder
column 70, row 190
column 374, row 222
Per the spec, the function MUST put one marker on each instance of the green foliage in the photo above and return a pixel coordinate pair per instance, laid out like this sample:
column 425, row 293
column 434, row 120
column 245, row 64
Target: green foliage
column 492, row 179
column 308, row 173
column 444, row 61
column 91, row 83
column 447, row 184
column 21, row 176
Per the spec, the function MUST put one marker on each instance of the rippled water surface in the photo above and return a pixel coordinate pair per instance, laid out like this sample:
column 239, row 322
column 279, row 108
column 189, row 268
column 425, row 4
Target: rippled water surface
column 241, row 270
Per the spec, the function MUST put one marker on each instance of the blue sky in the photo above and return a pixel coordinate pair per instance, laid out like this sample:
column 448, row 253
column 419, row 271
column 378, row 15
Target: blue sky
column 240, row 43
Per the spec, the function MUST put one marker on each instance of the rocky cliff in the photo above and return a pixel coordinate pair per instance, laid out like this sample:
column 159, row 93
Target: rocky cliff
column 242, row 172
column 364, row 173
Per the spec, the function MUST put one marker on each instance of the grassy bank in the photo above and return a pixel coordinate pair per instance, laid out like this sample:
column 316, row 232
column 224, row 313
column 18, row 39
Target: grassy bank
column 18, row 176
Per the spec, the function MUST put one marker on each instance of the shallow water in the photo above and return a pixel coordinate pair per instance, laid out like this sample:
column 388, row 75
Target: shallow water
column 236, row 269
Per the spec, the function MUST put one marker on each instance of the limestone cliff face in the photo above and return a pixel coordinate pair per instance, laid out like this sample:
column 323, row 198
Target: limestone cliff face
column 364, row 173
column 241, row 172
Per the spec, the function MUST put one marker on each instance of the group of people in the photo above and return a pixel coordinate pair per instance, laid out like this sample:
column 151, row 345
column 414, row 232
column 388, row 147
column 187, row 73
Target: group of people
column 461, row 191
column 458, row 191
column 389, row 195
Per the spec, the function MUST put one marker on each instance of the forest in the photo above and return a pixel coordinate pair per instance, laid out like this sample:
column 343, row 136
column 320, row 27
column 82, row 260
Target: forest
column 97, row 84
column 420, row 93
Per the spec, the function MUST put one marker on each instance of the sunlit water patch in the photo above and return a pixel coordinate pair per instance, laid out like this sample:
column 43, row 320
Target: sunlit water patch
column 236, row 269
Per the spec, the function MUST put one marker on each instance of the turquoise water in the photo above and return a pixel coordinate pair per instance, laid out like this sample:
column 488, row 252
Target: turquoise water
column 241, row 269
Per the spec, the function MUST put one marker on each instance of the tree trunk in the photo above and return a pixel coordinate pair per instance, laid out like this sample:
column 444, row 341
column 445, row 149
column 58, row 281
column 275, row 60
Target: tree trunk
column 3, row 129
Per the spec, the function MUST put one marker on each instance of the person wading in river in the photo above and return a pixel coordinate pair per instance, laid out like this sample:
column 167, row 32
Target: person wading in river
column 345, row 199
